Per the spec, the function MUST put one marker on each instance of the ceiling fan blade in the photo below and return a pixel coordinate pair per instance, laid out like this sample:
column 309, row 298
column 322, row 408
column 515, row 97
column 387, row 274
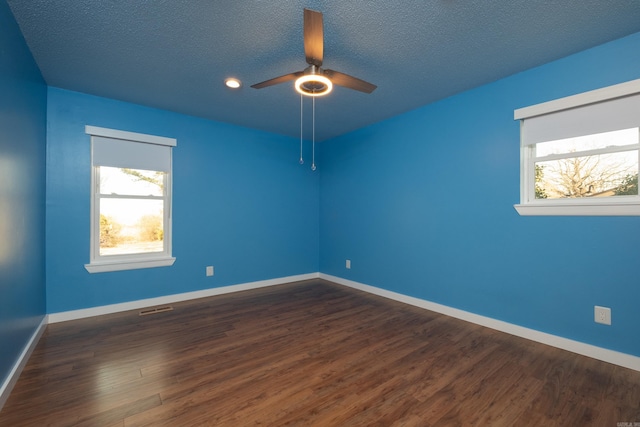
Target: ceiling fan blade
column 277, row 80
column 313, row 37
column 350, row 82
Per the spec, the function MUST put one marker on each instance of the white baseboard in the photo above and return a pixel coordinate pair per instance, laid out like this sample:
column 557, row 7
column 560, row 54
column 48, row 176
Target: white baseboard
column 168, row 299
column 14, row 374
column 606, row 355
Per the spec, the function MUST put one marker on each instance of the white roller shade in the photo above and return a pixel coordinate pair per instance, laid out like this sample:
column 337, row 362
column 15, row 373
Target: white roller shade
column 605, row 116
column 129, row 154
column 123, row 149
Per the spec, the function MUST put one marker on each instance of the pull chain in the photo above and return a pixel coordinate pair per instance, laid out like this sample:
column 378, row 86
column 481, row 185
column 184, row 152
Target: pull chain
column 313, row 158
column 301, row 159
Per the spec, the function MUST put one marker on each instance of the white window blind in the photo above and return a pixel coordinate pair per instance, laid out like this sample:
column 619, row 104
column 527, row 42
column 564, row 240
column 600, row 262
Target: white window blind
column 128, row 154
column 600, row 117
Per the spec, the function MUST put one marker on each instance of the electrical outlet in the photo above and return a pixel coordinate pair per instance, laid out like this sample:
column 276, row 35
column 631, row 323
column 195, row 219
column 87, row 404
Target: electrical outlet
column 348, row 263
column 210, row 270
column 602, row 315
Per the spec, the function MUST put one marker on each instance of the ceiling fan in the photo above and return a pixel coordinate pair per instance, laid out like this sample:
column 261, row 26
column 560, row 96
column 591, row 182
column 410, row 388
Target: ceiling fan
column 314, row 80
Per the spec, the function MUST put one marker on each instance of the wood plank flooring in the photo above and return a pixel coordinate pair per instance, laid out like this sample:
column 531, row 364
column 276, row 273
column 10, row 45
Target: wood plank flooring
column 309, row 354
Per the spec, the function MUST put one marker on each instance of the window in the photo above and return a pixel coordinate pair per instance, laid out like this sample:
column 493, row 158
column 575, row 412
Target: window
column 130, row 200
column 580, row 155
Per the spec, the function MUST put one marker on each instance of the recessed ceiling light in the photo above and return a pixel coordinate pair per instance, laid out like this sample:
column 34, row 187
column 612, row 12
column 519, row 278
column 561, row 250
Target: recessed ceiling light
column 233, row 83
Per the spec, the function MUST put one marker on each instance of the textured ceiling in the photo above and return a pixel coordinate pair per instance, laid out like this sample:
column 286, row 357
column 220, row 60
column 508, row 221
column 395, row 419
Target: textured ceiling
column 175, row 55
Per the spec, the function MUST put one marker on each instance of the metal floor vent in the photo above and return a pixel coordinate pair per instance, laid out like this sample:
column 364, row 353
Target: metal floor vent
column 155, row 310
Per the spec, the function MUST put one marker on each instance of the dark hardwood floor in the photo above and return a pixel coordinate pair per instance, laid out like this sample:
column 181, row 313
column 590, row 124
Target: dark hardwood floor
column 309, row 354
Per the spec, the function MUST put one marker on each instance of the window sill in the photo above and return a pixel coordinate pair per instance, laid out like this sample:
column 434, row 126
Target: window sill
column 561, row 209
column 103, row 267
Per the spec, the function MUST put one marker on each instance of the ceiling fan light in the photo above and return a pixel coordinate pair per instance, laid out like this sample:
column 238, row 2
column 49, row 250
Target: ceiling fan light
column 313, row 85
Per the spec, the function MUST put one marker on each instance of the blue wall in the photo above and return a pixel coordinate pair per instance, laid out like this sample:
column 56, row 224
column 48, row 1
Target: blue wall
column 423, row 205
column 22, row 193
column 241, row 202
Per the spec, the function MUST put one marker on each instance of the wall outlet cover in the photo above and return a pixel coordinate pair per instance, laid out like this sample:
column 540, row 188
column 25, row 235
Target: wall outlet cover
column 602, row 315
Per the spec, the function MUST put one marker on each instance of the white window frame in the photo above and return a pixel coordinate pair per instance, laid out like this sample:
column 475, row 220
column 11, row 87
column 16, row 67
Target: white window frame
column 605, row 206
column 100, row 264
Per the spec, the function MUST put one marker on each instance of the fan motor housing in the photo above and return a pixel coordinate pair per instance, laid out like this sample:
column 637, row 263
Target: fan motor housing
column 313, row 86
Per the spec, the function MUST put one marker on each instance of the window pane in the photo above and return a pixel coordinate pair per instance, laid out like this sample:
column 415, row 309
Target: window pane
column 589, row 142
column 129, row 226
column 603, row 175
column 134, row 182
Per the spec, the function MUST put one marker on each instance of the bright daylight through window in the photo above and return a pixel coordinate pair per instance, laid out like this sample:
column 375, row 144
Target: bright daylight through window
column 130, row 200
column 581, row 155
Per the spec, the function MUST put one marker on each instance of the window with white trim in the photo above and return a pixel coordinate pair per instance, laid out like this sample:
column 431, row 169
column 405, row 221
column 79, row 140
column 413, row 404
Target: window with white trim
column 580, row 155
column 130, row 200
